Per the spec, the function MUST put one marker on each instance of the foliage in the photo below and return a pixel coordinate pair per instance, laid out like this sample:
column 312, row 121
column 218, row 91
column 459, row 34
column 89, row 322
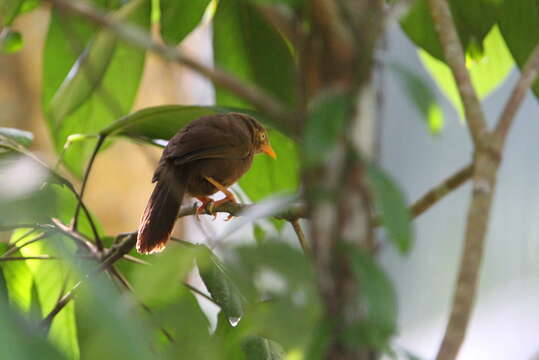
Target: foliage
column 267, row 292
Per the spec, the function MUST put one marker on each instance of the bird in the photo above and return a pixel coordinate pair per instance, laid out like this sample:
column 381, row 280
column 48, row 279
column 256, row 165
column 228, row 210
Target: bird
column 206, row 156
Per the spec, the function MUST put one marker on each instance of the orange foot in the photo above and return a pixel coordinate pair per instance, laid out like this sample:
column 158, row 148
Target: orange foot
column 207, row 204
column 228, row 195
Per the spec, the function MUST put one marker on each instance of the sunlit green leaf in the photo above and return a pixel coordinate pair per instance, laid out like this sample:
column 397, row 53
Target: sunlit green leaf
column 21, row 341
column 180, row 17
column 257, row 347
column 391, row 205
column 487, row 72
column 422, row 95
column 10, row 41
column 378, row 323
column 111, row 99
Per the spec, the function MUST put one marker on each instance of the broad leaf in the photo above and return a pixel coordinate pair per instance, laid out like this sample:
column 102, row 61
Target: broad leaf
column 10, row 41
column 180, row 17
column 519, row 21
column 391, row 205
column 221, row 288
column 115, row 94
column 242, row 42
column 473, row 19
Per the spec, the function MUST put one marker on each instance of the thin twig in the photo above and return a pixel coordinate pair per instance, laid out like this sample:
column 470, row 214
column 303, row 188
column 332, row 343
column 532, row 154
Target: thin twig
column 454, row 57
column 437, row 193
column 14, row 249
column 301, row 236
column 526, row 80
column 78, row 237
column 100, row 141
column 218, row 77
column 37, row 257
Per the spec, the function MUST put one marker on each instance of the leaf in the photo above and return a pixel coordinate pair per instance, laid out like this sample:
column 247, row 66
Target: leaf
column 221, row 288
column 21, row 341
column 112, row 98
column 246, row 53
column 180, row 17
column 379, row 299
column 391, row 204
column 10, row 41
column 22, row 137
column 257, row 348
column 325, row 125
column 473, row 20
column 487, row 73
column 266, row 175
column 518, row 22
column 422, row 95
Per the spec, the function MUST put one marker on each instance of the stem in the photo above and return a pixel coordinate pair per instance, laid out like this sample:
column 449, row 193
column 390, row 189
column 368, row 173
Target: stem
column 100, row 141
column 301, row 236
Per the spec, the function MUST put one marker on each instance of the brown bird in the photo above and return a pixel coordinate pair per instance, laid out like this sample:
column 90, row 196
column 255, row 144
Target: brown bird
column 208, row 155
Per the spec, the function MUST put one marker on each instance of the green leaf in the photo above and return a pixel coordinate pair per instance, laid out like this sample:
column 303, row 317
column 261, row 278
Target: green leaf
column 10, row 9
column 221, row 288
column 280, row 273
column 324, row 126
column 379, row 298
column 259, row 55
column 112, row 98
column 21, row 341
column 391, row 205
column 487, row 73
column 422, row 95
column 473, row 20
column 24, row 138
column 10, row 41
column 519, row 21
column 257, row 348
column 180, row 17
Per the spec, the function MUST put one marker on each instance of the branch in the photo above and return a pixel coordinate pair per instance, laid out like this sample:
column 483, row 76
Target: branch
column 526, row 80
column 454, row 57
column 218, row 77
column 439, row 192
column 294, row 212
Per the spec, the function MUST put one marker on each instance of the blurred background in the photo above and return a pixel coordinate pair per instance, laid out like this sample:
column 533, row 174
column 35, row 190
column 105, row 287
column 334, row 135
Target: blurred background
column 506, row 319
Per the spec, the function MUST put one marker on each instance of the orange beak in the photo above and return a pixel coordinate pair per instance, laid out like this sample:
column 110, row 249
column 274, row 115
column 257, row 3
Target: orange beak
column 268, row 150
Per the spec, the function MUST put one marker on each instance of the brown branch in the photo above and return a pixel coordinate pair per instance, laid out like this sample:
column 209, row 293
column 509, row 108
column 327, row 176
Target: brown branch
column 439, row 192
column 454, row 57
column 218, row 77
column 526, row 80
column 294, row 212
column 486, row 164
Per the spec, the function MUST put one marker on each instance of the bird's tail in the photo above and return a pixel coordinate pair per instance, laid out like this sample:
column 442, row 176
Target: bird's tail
column 159, row 216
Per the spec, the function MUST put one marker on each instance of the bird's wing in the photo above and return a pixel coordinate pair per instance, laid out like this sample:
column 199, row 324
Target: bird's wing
column 213, row 137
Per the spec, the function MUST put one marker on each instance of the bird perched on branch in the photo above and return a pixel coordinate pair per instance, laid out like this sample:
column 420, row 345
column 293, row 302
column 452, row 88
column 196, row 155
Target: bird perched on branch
column 208, row 155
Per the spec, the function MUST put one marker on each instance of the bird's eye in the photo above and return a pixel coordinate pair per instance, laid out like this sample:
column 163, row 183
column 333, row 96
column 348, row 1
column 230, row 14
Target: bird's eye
column 263, row 136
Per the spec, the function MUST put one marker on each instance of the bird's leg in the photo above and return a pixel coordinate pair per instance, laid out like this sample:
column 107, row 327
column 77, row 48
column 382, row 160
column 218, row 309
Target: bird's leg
column 228, row 195
column 202, row 208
